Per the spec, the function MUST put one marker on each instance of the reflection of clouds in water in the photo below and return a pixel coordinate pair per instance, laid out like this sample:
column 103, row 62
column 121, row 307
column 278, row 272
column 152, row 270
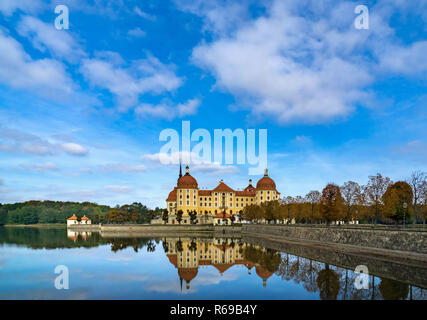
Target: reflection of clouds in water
column 205, row 277
column 47, row 294
column 126, row 277
column 39, row 277
column 121, row 258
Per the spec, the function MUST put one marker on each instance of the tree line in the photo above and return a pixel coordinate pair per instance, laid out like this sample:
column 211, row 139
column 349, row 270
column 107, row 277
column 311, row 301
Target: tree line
column 51, row 212
column 379, row 201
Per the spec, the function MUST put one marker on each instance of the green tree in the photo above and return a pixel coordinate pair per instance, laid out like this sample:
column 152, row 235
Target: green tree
column 179, row 216
column 165, row 216
column 193, row 216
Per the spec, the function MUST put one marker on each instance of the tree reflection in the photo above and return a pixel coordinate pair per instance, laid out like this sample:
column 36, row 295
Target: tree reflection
column 393, row 290
column 328, row 283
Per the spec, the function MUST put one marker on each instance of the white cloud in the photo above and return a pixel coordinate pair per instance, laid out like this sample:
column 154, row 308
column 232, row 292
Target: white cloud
column 405, row 60
column 137, row 33
column 218, row 16
column 196, row 163
column 17, row 141
column 8, row 7
column 41, row 167
column 44, row 76
column 302, row 61
column 167, row 110
column 74, row 149
column 44, row 36
column 143, row 14
column 280, row 67
column 118, row 189
column 122, row 167
column 127, row 84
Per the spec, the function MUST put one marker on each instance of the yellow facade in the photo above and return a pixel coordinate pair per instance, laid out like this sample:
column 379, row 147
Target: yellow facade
column 187, row 197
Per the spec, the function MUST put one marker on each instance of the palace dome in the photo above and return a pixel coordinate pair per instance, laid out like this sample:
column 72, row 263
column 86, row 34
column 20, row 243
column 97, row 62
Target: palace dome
column 266, row 183
column 187, row 180
column 187, row 274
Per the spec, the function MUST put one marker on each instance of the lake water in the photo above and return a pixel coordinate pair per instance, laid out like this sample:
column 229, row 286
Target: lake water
column 187, row 268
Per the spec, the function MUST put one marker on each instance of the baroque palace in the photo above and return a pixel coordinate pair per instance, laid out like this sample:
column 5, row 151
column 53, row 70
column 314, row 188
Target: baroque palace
column 219, row 205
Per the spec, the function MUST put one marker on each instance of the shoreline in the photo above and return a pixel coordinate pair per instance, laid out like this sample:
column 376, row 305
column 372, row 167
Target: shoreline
column 42, row 225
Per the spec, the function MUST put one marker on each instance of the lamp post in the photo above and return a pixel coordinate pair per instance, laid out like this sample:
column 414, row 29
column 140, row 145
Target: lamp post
column 405, row 205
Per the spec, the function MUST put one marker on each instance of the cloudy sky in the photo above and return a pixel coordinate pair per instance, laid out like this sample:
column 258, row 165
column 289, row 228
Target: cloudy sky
column 81, row 109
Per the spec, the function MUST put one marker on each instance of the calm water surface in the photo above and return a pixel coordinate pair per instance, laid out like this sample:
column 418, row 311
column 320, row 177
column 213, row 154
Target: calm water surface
column 176, row 268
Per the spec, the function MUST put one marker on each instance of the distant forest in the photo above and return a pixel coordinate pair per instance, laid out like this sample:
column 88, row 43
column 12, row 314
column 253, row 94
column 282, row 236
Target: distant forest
column 40, row 212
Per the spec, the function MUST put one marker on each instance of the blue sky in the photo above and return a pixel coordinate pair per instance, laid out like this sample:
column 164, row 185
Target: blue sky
column 81, row 109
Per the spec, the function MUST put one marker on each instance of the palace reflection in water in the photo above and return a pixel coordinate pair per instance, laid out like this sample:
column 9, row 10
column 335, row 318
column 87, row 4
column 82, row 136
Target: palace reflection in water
column 112, row 267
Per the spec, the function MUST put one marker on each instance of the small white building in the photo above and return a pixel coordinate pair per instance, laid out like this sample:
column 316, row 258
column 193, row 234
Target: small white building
column 72, row 220
column 85, row 220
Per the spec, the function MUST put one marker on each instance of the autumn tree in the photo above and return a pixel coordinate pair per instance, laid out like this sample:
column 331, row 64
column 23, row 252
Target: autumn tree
column 375, row 189
column 289, row 203
column 396, row 197
column 350, row 192
column 331, row 203
column 313, row 198
column 423, row 201
column 416, row 181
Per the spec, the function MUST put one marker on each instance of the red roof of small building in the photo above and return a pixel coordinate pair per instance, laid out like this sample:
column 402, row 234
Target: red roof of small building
column 72, row 218
column 85, row 218
column 222, row 214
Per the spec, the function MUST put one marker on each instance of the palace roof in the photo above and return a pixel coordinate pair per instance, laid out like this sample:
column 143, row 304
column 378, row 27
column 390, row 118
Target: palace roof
column 205, row 192
column 187, row 181
column 223, row 267
column 187, row 274
column 172, row 195
column 222, row 187
column 73, row 217
column 262, row 273
column 85, row 218
column 266, row 183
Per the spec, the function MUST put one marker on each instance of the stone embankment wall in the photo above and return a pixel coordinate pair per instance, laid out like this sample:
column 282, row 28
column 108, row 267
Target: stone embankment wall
column 401, row 240
column 411, row 273
column 84, row 227
column 156, row 230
